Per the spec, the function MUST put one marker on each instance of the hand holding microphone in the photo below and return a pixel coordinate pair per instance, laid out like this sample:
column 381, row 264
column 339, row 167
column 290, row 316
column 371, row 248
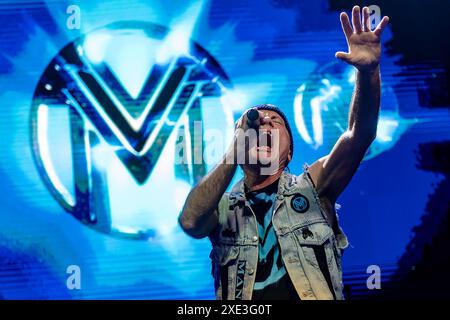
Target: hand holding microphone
column 249, row 120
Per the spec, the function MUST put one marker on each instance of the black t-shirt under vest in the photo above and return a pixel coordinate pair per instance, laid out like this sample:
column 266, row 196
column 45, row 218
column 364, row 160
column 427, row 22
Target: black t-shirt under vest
column 272, row 281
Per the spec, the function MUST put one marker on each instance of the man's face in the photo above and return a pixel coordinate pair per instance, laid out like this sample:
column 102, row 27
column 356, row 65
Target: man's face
column 272, row 148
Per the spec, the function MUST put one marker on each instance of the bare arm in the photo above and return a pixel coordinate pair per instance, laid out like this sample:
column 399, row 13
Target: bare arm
column 333, row 172
column 199, row 215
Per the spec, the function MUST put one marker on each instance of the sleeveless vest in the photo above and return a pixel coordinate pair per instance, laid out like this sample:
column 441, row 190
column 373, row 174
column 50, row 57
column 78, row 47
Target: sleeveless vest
column 303, row 233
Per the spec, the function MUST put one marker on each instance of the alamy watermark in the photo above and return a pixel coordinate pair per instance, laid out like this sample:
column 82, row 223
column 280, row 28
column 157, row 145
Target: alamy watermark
column 374, row 280
column 73, row 21
column 73, row 281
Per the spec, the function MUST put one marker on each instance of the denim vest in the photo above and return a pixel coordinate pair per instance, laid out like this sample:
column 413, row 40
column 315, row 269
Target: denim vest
column 302, row 230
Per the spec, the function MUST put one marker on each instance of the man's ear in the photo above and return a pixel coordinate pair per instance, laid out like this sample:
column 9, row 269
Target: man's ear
column 289, row 156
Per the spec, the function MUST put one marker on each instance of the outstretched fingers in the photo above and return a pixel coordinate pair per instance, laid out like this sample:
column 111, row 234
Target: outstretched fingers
column 345, row 23
column 356, row 19
column 382, row 25
column 366, row 18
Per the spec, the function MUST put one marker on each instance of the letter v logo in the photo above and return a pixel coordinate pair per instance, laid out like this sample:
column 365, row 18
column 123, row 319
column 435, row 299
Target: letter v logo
column 108, row 93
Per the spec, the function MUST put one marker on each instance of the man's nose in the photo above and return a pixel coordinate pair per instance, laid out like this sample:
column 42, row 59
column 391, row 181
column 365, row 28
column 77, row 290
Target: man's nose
column 265, row 120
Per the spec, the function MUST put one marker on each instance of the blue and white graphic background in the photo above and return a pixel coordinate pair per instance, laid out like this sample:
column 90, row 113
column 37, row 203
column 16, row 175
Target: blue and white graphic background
column 272, row 53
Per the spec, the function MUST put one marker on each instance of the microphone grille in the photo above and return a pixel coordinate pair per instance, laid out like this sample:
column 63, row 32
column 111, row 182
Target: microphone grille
column 252, row 115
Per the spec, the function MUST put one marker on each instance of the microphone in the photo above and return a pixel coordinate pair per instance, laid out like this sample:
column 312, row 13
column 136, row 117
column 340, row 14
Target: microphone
column 253, row 118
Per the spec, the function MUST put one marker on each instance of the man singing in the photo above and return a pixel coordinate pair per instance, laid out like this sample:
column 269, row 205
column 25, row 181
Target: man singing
column 276, row 235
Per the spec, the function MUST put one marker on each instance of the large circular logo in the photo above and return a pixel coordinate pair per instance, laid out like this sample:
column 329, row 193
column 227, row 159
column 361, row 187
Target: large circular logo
column 112, row 115
column 321, row 107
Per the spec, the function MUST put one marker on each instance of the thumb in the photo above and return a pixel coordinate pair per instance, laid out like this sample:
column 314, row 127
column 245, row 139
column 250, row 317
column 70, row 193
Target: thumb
column 344, row 56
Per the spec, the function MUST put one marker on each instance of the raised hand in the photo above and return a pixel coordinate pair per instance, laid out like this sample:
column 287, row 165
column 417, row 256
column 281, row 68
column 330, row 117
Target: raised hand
column 364, row 48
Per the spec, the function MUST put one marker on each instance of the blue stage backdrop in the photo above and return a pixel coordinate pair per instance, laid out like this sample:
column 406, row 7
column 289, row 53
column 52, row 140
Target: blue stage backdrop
column 97, row 97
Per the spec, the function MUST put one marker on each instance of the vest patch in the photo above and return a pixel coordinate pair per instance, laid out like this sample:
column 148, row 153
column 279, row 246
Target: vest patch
column 300, row 203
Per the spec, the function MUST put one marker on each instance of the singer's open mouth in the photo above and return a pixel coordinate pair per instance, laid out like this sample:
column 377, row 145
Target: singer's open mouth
column 263, row 149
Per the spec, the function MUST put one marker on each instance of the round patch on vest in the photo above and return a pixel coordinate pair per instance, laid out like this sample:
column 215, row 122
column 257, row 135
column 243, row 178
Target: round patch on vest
column 299, row 203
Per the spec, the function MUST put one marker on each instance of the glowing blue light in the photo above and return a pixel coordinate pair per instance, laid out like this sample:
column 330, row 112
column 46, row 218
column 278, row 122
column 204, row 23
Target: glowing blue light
column 386, row 129
column 391, row 126
column 43, row 141
column 131, row 57
column 234, row 99
column 102, row 154
column 317, row 104
column 95, row 46
column 177, row 42
column 174, row 45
